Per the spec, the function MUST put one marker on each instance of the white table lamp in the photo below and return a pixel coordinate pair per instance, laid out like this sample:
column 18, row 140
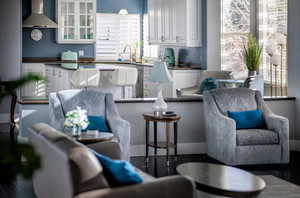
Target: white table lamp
column 160, row 75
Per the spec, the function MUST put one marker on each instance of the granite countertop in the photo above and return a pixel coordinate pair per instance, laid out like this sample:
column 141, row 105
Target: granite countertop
column 91, row 61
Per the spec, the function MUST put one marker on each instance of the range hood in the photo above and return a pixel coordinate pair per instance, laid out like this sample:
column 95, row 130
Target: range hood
column 37, row 19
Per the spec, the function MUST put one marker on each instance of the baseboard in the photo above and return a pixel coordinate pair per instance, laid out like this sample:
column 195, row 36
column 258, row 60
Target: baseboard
column 295, row 145
column 4, row 118
column 190, row 148
column 183, row 149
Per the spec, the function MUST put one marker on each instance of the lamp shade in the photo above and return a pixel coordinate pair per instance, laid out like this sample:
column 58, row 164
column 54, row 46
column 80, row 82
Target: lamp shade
column 160, row 73
column 275, row 60
column 271, row 49
column 281, row 39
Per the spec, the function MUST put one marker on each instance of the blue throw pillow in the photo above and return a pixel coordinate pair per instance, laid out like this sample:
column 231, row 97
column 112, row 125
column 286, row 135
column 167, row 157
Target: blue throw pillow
column 97, row 123
column 248, row 119
column 208, row 84
column 117, row 172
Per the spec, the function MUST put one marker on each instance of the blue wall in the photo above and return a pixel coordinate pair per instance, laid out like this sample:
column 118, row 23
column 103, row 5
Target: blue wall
column 114, row 6
column 47, row 47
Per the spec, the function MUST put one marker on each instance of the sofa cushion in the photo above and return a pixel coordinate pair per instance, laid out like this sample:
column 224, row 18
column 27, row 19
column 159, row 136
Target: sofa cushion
column 118, row 172
column 234, row 100
column 247, row 137
column 93, row 101
column 48, row 132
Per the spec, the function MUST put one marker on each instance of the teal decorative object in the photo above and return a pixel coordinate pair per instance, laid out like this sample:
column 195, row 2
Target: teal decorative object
column 69, row 56
column 208, row 84
column 169, row 56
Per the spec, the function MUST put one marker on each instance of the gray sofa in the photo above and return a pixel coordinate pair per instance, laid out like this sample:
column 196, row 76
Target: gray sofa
column 96, row 103
column 70, row 169
column 243, row 147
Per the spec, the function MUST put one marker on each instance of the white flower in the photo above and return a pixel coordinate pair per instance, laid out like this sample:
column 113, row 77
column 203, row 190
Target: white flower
column 77, row 117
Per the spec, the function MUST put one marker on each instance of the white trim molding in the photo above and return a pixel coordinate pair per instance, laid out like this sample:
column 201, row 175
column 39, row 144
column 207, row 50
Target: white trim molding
column 189, row 148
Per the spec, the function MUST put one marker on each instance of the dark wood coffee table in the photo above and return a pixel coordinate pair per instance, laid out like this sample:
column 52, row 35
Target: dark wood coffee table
column 86, row 138
column 223, row 180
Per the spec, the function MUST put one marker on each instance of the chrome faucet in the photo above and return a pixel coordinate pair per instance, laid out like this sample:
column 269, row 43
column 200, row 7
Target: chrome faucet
column 130, row 51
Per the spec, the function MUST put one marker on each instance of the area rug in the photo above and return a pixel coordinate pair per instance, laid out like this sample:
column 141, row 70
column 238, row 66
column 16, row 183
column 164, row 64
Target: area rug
column 276, row 188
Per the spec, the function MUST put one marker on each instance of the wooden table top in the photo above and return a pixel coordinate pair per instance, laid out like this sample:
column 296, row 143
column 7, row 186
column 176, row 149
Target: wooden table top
column 152, row 117
column 222, row 180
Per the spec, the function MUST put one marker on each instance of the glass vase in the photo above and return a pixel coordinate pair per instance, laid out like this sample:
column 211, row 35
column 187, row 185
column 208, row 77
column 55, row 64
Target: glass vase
column 76, row 131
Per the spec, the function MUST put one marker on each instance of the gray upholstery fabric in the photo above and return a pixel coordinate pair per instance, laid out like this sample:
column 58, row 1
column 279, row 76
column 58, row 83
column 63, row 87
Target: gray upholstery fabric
column 109, row 149
column 78, row 167
column 96, row 103
column 256, row 137
column 223, row 140
column 69, row 170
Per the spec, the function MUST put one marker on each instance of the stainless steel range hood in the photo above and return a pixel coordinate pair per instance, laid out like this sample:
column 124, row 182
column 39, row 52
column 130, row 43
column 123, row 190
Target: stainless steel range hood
column 37, row 19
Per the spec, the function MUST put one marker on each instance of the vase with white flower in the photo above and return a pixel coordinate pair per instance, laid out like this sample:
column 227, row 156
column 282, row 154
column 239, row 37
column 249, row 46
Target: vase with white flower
column 76, row 120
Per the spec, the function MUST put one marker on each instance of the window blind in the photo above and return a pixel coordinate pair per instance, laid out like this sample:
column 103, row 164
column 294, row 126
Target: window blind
column 114, row 32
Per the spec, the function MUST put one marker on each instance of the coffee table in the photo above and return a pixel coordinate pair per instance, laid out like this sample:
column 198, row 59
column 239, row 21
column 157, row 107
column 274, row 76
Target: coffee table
column 87, row 138
column 223, row 180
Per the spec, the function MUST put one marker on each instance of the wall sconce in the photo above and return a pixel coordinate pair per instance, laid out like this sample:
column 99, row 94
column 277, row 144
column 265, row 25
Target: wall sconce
column 123, row 12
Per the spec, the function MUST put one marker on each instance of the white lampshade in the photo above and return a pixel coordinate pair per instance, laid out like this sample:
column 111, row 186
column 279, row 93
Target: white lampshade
column 160, row 73
column 271, row 49
column 123, row 12
column 275, row 60
column 281, row 39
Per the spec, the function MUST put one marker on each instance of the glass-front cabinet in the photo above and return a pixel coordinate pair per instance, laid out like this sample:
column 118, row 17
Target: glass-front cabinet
column 76, row 21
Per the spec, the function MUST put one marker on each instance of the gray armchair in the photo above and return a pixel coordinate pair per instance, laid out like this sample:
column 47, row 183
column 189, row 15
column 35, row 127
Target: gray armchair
column 96, row 103
column 243, row 147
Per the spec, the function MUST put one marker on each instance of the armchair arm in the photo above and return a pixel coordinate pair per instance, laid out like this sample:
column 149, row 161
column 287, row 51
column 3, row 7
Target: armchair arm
column 109, row 149
column 56, row 115
column 119, row 127
column 167, row 187
column 220, row 132
column 280, row 125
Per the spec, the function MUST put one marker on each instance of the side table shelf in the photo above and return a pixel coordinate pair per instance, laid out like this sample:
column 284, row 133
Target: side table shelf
column 168, row 120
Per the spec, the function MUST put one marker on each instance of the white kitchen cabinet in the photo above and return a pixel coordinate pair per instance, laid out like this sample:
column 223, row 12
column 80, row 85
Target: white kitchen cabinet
column 76, row 21
column 175, row 22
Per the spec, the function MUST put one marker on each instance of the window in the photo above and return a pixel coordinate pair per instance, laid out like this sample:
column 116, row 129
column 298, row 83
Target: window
column 235, row 28
column 272, row 27
column 268, row 20
column 114, row 33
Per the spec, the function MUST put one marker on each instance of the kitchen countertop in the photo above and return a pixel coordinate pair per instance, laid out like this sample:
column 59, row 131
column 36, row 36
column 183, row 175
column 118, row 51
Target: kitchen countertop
column 90, row 61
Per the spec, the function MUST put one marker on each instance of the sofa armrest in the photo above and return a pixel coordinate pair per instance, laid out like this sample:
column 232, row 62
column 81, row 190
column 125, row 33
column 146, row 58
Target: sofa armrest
column 109, row 149
column 167, row 187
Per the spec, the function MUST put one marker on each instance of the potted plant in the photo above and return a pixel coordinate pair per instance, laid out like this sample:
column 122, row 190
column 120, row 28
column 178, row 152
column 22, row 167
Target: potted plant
column 252, row 55
column 11, row 152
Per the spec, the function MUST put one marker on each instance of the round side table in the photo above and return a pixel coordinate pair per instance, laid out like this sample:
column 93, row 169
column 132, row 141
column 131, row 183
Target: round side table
column 168, row 120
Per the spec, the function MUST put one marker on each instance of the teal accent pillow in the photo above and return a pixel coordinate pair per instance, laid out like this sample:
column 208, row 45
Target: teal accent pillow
column 208, row 84
column 248, row 119
column 117, row 172
column 97, row 123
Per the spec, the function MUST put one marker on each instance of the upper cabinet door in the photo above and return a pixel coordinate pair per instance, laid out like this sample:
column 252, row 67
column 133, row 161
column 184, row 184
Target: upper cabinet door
column 181, row 20
column 175, row 22
column 76, row 21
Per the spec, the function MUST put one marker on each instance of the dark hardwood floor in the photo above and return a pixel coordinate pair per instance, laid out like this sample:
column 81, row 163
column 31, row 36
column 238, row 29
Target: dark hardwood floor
column 21, row 188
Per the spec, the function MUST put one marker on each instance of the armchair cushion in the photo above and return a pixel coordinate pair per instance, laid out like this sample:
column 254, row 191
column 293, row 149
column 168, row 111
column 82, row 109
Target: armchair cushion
column 97, row 123
column 248, row 119
column 256, row 137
